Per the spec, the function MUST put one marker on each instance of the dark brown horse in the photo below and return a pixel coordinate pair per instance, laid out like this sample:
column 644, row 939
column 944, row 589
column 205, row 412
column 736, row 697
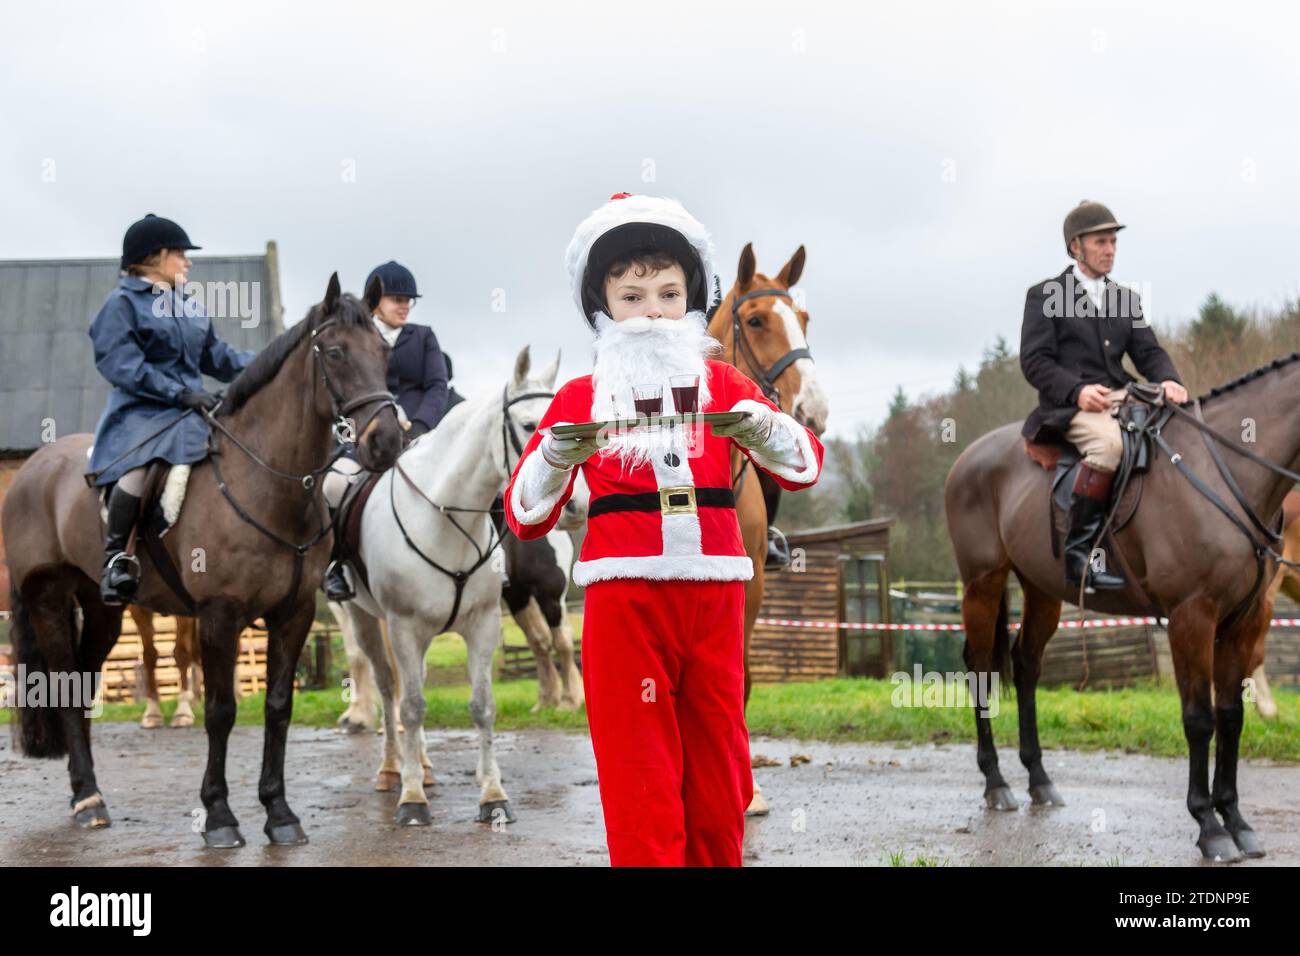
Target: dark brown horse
column 1193, row 562
column 764, row 333
column 249, row 543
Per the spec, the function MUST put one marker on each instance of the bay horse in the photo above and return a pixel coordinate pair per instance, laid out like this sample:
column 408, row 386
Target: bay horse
column 764, row 333
column 1202, row 570
column 249, row 543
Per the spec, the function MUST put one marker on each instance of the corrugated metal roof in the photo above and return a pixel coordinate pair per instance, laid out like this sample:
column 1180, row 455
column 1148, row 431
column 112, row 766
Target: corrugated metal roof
column 47, row 367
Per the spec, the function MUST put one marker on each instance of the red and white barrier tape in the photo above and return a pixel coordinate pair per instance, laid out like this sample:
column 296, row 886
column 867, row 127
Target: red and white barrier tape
column 1090, row 623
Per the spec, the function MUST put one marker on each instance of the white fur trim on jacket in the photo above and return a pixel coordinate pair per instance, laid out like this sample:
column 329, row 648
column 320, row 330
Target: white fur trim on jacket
column 666, row 567
column 537, row 481
column 616, row 212
column 788, row 452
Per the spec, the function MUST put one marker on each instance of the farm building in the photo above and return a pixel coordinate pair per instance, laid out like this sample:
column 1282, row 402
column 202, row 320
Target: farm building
column 838, row 574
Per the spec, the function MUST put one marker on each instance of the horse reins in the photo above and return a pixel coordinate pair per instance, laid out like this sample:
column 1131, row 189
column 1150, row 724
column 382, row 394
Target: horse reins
column 508, row 438
column 344, row 430
column 1264, row 550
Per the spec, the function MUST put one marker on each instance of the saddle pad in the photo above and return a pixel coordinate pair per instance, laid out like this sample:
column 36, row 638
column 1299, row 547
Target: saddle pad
column 165, row 510
column 355, row 505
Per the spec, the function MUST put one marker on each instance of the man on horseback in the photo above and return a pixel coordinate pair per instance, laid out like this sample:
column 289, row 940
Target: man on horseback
column 417, row 376
column 1077, row 329
column 153, row 345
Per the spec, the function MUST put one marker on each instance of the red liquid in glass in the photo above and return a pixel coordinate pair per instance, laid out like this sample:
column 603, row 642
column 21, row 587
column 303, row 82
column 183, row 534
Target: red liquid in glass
column 686, row 399
column 649, row 407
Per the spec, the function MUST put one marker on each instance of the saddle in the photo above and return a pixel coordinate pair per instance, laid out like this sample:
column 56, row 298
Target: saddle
column 1137, row 417
column 347, row 522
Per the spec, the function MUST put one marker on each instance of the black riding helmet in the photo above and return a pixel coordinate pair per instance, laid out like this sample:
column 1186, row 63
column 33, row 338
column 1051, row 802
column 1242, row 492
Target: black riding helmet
column 636, row 238
column 146, row 236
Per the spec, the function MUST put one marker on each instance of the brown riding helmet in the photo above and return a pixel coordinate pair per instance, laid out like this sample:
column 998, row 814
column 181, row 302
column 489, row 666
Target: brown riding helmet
column 1085, row 218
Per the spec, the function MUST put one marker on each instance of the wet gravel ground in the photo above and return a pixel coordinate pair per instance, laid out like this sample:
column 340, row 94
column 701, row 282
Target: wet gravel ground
column 850, row 804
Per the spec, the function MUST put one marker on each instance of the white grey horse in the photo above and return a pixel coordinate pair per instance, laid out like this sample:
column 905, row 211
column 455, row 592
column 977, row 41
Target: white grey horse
column 439, row 519
column 559, row 682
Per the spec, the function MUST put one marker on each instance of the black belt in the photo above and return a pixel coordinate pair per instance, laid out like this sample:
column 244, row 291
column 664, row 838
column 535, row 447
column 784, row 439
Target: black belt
column 682, row 499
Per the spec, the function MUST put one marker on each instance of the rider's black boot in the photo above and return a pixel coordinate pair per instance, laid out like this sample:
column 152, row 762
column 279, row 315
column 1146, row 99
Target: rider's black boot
column 336, row 585
column 1088, row 500
column 121, row 575
column 778, row 550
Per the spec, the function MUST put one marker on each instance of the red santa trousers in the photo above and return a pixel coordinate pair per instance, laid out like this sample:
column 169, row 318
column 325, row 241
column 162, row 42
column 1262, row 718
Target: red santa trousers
column 663, row 669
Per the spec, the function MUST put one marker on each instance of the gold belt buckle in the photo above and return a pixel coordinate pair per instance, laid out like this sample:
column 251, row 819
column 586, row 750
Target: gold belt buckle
column 677, row 500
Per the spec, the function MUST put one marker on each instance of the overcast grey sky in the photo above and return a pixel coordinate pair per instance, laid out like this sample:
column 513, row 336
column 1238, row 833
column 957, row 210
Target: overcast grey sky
column 925, row 153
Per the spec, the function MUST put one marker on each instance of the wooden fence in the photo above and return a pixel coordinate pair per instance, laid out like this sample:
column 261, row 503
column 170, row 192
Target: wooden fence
column 123, row 672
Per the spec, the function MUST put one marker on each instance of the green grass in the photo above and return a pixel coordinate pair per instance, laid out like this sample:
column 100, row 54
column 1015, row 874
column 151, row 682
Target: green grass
column 1143, row 719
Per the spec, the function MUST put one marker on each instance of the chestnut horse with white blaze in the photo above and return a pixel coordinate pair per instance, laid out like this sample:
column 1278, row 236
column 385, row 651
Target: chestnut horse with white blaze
column 764, row 333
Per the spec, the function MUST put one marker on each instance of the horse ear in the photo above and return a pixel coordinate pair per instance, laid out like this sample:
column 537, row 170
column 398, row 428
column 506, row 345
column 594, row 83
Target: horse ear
column 793, row 269
column 549, row 373
column 333, row 292
column 745, row 270
column 374, row 292
column 522, row 364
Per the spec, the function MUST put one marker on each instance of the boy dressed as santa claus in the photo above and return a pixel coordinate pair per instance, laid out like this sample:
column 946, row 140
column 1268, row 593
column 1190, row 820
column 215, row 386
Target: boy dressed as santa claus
column 662, row 562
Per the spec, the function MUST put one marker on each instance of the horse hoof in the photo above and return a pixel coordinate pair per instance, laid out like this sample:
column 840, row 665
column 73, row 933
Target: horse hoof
column 93, row 818
column 1001, row 799
column 388, row 781
column 1249, row 844
column 285, row 834
column 1045, row 795
column 758, row 806
column 223, row 838
column 1219, row 847
column 183, row 720
column 487, row 812
column 413, row 815
column 428, row 777
column 151, row 721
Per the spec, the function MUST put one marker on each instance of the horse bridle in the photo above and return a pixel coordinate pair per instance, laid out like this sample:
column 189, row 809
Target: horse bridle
column 766, row 377
column 508, row 437
column 345, row 429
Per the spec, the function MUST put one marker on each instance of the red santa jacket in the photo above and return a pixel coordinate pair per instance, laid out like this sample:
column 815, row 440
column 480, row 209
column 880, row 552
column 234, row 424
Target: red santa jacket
column 690, row 533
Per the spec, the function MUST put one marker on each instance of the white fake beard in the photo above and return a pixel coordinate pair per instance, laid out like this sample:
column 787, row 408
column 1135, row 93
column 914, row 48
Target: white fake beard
column 645, row 351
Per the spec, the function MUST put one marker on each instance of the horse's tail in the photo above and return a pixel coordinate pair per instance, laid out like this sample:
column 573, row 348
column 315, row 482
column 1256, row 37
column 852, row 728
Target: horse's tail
column 37, row 731
column 1002, row 645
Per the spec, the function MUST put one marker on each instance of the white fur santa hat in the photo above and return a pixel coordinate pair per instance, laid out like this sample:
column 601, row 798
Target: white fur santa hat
column 629, row 222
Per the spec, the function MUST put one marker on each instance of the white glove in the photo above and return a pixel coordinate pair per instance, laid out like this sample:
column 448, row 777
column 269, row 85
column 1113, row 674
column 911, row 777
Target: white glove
column 753, row 431
column 776, row 439
column 564, row 453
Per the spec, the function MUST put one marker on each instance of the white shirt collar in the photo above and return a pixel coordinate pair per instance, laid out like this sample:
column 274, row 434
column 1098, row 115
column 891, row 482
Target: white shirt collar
column 390, row 334
column 1094, row 287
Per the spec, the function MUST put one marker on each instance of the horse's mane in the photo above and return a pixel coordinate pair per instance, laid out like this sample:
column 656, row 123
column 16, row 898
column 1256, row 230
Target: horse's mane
column 1250, row 376
column 266, row 365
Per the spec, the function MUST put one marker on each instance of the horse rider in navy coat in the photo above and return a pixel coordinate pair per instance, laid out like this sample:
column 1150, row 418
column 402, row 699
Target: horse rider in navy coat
column 154, row 345
column 417, row 376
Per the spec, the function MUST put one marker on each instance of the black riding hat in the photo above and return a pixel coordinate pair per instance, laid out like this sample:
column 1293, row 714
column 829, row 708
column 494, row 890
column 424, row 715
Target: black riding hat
column 394, row 279
column 148, row 235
